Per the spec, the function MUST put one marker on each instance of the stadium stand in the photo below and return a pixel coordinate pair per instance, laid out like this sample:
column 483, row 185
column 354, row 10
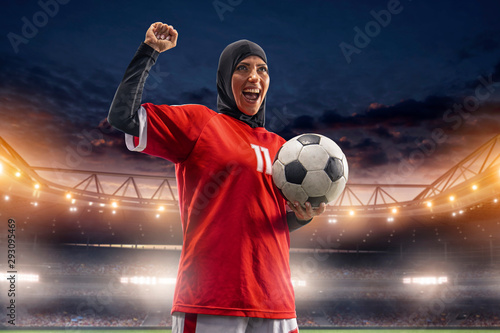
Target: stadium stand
column 83, row 287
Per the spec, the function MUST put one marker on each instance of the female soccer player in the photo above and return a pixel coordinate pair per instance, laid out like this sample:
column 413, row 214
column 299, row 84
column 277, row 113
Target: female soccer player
column 234, row 273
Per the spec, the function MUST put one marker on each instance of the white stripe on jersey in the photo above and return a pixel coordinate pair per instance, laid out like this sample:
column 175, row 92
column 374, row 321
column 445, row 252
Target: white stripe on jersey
column 143, row 133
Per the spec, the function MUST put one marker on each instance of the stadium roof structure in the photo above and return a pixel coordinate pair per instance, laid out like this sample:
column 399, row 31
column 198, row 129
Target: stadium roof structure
column 471, row 186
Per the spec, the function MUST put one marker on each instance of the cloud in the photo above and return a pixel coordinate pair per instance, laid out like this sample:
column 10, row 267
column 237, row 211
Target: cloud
column 55, row 116
column 407, row 113
column 478, row 45
column 304, row 123
column 385, row 138
column 364, row 156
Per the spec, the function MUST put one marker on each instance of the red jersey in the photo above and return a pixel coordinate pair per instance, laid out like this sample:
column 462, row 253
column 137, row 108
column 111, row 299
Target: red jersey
column 235, row 254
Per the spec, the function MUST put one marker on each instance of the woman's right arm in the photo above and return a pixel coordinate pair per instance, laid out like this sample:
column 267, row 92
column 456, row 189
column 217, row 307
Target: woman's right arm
column 127, row 101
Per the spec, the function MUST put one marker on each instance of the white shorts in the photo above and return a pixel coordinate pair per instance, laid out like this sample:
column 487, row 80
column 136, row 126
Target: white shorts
column 200, row 323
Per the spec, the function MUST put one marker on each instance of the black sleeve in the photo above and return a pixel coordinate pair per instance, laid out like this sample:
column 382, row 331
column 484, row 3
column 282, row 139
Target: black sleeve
column 294, row 223
column 127, row 101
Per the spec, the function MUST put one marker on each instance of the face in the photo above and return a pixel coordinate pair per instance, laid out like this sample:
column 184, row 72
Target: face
column 249, row 83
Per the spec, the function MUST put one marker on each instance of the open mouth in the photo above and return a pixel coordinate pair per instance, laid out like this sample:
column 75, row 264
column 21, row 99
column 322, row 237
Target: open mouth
column 251, row 94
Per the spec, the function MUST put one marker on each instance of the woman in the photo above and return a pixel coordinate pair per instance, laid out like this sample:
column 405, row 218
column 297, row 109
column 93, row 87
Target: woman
column 234, row 273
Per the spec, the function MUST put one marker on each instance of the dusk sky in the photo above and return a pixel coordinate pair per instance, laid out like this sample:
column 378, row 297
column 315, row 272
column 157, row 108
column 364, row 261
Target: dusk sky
column 406, row 88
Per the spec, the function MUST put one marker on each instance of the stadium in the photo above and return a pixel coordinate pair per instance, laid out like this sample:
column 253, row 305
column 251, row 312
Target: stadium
column 100, row 250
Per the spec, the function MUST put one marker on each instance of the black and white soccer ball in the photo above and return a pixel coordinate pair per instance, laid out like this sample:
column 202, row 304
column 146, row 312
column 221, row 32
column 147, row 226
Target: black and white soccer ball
column 310, row 167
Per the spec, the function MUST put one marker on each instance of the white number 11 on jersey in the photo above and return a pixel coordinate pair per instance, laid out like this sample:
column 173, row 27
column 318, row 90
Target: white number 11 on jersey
column 259, row 151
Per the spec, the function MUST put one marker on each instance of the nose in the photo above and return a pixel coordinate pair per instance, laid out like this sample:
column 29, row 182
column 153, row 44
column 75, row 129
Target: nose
column 253, row 77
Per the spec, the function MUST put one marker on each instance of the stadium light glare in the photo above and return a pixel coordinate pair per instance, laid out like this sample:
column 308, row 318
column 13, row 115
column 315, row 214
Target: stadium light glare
column 332, row 221
column 157, row 216
column 36, row 186
column 452, row 198
column 114, row 204
column 91, row 203
column 114, row 212
column 495, row 200
column 6, row 198
column 147, row 280
column 429, row 204
column 461, row 212
column 21, row 277
column 390, row 219
column 426, row 280
column 68, row 196
column 454, row 214
column 18, row 174
column 161, row 208
column 474, row 187
column 73, row 201
column 351, row 212
column 299, row 283
column 394, row 210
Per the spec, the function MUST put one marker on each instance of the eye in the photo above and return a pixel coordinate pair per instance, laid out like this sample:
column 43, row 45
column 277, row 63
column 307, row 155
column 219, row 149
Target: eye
column 241, row 68
column 262, row 69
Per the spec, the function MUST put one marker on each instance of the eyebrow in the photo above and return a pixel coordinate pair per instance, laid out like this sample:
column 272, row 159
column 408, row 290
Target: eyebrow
column 259, row 65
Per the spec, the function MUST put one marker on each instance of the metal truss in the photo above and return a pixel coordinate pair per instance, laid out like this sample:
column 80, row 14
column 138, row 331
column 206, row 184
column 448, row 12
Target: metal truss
column 484, row 158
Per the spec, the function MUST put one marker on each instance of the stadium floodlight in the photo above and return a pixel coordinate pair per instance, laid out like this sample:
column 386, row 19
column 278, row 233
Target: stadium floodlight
column 426, row 280
column 18, row 174
column 429, row 204
column 21, row 277
column 6, row 198
column 452, row 198
column 147, row 280
column 474, row 187
column 161, row 208
column 495, row 200
column 299, row 283
column 36, row 186
column 28, row 277
column 394, row 210
column 114, row 204
column 68, row 196
column 167, row 280
column 351, row 212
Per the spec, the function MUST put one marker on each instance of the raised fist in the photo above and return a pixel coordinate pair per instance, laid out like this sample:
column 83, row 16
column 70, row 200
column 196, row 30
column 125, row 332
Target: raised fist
column 161, row 37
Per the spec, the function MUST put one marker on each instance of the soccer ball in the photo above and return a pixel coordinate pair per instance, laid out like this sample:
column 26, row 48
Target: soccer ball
column 310, row 167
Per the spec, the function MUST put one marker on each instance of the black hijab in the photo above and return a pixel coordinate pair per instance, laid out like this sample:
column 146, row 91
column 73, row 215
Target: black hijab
column 229, row 58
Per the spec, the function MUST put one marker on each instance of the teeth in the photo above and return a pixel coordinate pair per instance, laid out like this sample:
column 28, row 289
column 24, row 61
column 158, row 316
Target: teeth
column 255, row 91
